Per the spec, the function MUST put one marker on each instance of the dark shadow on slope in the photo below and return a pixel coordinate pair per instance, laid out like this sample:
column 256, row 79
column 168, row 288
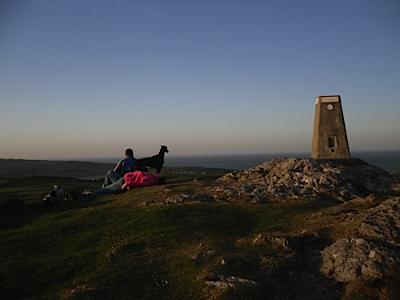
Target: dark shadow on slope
column 205, row 221
column 301, row 272
column 21, row 198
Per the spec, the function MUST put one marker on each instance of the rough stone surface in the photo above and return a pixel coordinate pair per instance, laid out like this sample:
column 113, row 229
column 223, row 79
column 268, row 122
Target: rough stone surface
column 373, row 254
column 227, row 281
column 181, row 198
column 293, row 178
column 78, row 291
column 261, row 239
column 383, row 223
column 356, row 258
column 280, row 242
column 275, row 241
column 203, row 254
column 329, row 124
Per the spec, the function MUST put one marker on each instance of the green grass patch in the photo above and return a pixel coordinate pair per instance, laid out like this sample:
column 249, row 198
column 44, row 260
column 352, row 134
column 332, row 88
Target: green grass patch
column 119, row 247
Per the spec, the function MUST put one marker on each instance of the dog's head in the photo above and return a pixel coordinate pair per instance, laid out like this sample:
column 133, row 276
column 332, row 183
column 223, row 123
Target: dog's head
column 164, row 149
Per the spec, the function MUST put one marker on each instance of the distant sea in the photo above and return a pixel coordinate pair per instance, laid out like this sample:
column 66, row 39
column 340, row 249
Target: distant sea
column 388, row 160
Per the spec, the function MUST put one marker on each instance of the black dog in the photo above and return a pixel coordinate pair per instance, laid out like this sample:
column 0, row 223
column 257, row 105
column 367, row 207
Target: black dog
column 156, row 161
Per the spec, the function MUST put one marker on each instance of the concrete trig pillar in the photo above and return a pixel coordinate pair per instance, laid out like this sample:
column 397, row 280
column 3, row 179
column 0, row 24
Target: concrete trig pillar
column 329, row 137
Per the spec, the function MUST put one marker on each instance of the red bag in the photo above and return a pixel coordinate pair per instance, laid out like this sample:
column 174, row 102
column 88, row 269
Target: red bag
column 139, row 178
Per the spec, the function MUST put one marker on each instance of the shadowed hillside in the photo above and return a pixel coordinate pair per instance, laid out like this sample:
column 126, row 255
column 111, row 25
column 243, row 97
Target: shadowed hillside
column 176, row 241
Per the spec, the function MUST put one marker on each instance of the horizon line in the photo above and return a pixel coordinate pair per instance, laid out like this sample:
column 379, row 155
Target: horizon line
column 92, row 159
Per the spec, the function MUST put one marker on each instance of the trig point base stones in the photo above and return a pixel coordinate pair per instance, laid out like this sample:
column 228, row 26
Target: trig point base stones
column 329, row 137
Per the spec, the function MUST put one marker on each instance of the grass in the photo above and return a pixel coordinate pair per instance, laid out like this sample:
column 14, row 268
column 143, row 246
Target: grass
column 121, row 248
column 131, row 246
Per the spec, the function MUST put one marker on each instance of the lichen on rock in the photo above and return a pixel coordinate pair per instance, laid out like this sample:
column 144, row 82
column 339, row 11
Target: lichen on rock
column 374, row 253
column 295, row 178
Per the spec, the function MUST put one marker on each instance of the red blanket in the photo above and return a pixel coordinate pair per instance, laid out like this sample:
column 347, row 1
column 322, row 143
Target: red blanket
column 139, row 178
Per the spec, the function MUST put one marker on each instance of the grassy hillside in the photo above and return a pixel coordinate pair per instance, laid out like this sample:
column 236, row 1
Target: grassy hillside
column 134, row 246
column 131, row 246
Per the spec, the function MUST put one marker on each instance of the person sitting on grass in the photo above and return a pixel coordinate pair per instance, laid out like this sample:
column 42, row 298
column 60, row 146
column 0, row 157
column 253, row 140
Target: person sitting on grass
column 128, row 164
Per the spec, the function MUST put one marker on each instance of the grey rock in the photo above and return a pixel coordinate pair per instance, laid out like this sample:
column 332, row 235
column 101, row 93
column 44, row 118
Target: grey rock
column 294, row 178
column 248, row 187
column 258, row 195
column 80, row 290
column 355, row 259
column 374, row 253
column 181, row 198
column 227, row 281
column 175, row 199
column 382, row 223
column 280, row 242
column 275, row 241
column 203, row 254
column 260, row 239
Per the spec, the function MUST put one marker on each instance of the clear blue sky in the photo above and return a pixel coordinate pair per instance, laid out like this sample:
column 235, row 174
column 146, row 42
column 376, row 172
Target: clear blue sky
column 81, row 78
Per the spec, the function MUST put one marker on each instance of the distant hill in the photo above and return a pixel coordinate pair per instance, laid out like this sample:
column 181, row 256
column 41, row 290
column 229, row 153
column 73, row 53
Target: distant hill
column 17, row 168
column 21, row 168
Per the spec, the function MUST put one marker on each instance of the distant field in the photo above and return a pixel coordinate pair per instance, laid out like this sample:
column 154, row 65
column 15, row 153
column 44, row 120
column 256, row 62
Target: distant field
column 20, row 168
column 17, row 168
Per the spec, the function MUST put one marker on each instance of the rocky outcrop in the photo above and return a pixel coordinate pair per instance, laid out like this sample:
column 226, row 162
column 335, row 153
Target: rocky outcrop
column 293, row 178
column 356, row 258
column 227, row 281
column 181, row 198
column 382, row 223
column 374, row 253
column 79, row 291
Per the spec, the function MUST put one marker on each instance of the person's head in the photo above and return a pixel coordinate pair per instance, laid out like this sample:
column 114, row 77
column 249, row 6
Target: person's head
column 129, row 152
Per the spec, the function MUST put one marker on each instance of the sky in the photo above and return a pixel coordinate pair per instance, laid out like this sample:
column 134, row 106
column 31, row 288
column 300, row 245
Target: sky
column 88, row 78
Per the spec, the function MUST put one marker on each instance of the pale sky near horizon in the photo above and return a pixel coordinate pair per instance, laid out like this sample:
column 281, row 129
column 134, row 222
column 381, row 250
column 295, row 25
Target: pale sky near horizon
column 88, row 78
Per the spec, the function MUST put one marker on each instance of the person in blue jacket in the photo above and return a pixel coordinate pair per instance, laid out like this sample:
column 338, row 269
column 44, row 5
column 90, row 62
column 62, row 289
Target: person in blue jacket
column 128, row 164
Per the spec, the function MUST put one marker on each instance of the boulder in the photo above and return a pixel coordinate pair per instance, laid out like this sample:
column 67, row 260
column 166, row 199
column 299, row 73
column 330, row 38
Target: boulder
column 383, row 223
column 374, row 253
column 295, row 178
column 357, row 259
